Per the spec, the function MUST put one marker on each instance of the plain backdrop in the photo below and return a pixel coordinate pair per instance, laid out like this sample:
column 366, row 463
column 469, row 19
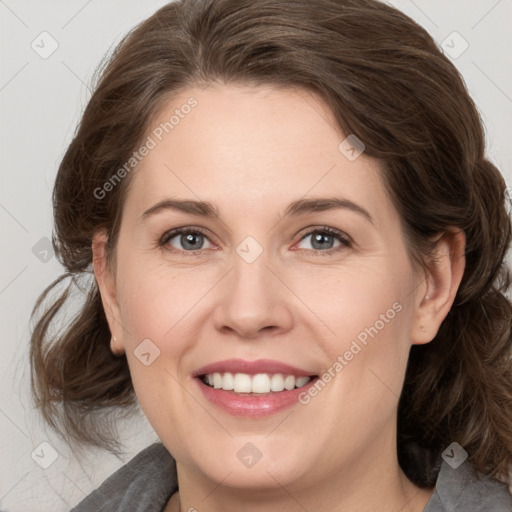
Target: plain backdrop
column 41, row 98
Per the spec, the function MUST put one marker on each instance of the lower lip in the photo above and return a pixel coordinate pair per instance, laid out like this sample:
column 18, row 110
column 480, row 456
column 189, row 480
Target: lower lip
column 253, row 405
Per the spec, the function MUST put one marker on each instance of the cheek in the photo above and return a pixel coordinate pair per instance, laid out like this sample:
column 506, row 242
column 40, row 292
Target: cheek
column 364, row 302
column 155, row 302
column 158, row 320
column 369, row 311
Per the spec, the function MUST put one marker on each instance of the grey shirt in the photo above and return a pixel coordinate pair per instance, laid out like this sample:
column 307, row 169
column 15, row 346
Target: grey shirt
column 146, row 483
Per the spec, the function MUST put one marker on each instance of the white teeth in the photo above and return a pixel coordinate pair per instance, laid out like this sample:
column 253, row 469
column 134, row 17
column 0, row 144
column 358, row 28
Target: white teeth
column 301, row 381
column 289, row 382
column 242, row 383
column 259, row 383
column 228, row 382
column 217, row 380
column 277, row 382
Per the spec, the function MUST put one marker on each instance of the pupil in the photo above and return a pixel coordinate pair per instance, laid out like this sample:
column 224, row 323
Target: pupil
column 322, row 240
column 190, row 240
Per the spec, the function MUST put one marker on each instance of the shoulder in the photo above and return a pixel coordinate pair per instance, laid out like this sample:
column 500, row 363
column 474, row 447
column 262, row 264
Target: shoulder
column 464, row 490
column 144, row 484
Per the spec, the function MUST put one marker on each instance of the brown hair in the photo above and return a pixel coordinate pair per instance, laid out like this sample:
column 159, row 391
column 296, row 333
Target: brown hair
column 385, row 81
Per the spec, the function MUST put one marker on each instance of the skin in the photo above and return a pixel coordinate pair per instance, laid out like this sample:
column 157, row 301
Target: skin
column 251, row 151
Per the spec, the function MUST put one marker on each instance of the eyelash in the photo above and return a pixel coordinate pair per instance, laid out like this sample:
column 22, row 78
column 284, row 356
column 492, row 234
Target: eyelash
column 345, row 240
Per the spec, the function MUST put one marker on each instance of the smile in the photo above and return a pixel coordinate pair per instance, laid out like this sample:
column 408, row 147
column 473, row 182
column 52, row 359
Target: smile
column 260, row 383
column 253, row 388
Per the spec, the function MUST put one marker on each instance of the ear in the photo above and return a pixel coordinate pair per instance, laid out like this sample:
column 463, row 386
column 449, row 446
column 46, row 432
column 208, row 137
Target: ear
column 107, row 287
column 435, row 295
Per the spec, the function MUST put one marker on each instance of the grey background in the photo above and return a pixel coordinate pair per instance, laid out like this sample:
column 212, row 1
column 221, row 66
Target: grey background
column 41, row 100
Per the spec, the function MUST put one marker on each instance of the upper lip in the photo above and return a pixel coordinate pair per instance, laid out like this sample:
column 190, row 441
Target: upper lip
column 252, row 368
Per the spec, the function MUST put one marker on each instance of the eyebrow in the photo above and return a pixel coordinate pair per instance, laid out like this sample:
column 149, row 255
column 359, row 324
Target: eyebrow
column 310, row 205
column 296, row 208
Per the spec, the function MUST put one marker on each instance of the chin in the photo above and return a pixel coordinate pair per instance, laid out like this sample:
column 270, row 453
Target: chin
column 252, row 462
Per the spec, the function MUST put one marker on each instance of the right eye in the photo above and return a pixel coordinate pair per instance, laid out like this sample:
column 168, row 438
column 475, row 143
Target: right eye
column 184, row 240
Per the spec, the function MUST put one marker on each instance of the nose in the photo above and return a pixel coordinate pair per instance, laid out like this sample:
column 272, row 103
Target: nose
column 254, row 301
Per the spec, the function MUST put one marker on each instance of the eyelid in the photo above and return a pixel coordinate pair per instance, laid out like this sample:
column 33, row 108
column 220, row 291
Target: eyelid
column 344, row 239
column 325, row 229
column 171, row 233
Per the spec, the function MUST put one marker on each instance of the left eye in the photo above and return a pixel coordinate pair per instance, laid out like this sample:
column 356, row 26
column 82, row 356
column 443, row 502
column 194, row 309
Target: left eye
column 322, row 239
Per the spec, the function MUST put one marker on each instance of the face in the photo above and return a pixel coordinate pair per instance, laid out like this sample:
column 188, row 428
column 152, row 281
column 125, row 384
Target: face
column 270, row 285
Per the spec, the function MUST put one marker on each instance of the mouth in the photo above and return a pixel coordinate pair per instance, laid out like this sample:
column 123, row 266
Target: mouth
column 253, row 388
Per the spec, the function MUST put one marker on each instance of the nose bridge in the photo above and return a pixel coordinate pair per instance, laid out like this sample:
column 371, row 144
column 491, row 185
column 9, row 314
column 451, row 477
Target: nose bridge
column 253, row 299
column 250, row 284
column 250, row 275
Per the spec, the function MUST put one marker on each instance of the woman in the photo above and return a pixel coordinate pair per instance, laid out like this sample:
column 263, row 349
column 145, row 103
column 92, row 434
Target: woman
column 297, row 246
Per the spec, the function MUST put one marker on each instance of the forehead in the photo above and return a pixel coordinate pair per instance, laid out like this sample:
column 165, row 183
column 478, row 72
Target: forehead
column 249, row 147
